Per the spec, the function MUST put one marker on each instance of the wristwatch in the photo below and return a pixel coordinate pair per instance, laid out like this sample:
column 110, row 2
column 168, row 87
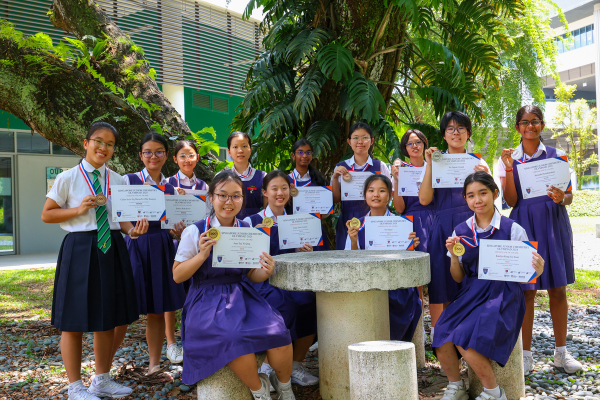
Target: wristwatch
column 562, row 202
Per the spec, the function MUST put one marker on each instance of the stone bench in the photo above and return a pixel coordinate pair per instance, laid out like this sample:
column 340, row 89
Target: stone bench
column 383, row 370
column 225, row 385
column 419, row 341
column 510, row 378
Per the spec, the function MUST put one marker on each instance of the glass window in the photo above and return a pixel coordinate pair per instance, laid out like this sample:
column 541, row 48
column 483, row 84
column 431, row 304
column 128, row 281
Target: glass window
column 32, row 143
column 560, row 45
column 58, row 149
column 589, row 30
column 577, row 39
column 7, row 141
column 6, row 212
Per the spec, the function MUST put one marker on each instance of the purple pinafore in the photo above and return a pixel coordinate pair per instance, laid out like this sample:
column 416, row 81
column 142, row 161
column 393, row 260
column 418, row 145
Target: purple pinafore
column 485, row 315
column 152, row 256
column 547, row 223
column 352, row 208
column 298, row 308
column 224, row 318
column 254, row 197
column 422, row 217
column 405, row 304
column 200, row 184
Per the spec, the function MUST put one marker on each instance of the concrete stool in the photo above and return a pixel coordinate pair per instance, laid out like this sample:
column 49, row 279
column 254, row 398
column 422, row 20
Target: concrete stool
column 510, row 378
column 383, row 370
column 225, row 385
column 419, row 341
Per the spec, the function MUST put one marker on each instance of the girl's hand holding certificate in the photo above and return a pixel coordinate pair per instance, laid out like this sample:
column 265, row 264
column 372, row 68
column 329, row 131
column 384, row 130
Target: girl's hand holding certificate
column 537, row 263
column 140, row 227
column 415, row 239
column 556, row 194
column 305, row 248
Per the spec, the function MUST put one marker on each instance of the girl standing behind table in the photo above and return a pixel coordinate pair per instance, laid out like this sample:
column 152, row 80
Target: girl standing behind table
column 360, row 139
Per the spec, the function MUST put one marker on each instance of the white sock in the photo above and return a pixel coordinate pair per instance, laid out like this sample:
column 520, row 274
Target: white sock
column 561, row 349
column 76, row 385
column 431, row 334
column 496, row 392
column 284, row 386
column 527, row 353
column 260, row 391
column 101, row 378
column 459, row 383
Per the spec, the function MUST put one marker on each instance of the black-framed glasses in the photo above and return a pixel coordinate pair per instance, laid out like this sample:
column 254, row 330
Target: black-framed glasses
column 302, row 153
column 533, row 122
column 157, row 154
column 418, row 143
column 459, row 129
column 236, row 198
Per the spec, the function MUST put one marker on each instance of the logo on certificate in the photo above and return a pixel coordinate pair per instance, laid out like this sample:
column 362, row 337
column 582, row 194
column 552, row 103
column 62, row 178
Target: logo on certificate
column 345, row 194
column 118, row 213
column 370, row 243
column 485, row 270
column 528, row 190
column 437, row 180
column 284, row 241
column 166, row 221
column 220, row 258
column 297, row 208
column 403, row 189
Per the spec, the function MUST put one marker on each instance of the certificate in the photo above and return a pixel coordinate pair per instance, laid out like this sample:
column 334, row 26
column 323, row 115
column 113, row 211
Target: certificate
column 537, row 176
column 453, row 169
column 134, row 202
column 201, row 193
column 506, row 260
column 313, row 199
column 297, row 229
column 186, row 209
column 240, row 247
column 388, row 233
column 409, row 180
column 353, row 190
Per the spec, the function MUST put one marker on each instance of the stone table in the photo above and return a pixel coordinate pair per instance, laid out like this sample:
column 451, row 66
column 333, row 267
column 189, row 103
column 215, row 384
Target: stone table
column 352, row 300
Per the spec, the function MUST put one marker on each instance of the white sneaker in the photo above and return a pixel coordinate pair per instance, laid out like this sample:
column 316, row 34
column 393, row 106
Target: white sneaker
column 528, row 364
column 284, row 390
column 487, row 396
column 264, row 379
column 455, row 392
column 567, row 362
column 266, row 369
column 80, row 392
column 301, row 376
column 314, row 347
column 175, row 354
column 104, row 386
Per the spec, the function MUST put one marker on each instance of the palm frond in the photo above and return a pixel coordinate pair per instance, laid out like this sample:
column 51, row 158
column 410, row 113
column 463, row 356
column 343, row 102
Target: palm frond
column 323, row 135
column 309, row 91
column 336, row 61
column 361, row 98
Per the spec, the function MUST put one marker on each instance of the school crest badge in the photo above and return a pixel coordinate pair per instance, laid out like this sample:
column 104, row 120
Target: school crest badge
column 252, row 189
column 403, row 189
column 485, row 270
column 118, row 213
column 437, row 180
column 370, row 243
column 528, row 190
column 297, row 208
column 220, row 258
column 284, row 241
column 345, row 194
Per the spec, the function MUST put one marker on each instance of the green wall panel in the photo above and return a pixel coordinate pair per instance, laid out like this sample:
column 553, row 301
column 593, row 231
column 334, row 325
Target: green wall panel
column 7, row 120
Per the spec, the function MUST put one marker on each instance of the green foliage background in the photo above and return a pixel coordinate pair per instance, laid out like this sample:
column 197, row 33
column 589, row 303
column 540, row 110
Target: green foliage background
column 586, row 203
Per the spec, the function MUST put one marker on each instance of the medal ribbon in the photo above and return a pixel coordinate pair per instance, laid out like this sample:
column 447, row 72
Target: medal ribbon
column 307, row 183
column 178, row 179
column 355, row 167
column 475, row 239
column 250, row 170
column 407, row 164
column 89, row 181
column 207, row 224
column 142, row 176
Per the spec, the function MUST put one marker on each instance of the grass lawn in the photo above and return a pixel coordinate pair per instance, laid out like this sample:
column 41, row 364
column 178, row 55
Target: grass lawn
column 6, row 246
column 585, row 290
column 26, row 294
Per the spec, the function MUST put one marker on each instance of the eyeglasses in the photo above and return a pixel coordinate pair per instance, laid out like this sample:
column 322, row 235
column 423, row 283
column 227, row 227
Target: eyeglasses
column 361, row 139
column 533, row 122
column 301, row 153
column 459, row 129
column 418, row 143
column 157, row 154
column 99, row 143
column 236, row 198
column 183, row 157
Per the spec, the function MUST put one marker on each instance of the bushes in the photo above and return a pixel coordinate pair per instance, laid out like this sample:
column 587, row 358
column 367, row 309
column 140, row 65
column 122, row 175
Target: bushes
column 586, row 203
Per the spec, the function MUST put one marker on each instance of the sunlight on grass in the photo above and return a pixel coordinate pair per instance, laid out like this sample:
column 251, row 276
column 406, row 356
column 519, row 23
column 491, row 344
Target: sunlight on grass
column 26, row 294
column 584, row 224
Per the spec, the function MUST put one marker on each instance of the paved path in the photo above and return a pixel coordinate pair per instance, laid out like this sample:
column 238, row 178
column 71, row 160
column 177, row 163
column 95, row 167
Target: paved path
column 28, row 261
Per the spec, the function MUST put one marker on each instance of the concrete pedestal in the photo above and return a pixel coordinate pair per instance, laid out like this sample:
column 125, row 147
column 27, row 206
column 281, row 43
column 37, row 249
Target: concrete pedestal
column 510, row 378
column 225, row 385
column 419, row 341
column 343, row 319
column 382, row 370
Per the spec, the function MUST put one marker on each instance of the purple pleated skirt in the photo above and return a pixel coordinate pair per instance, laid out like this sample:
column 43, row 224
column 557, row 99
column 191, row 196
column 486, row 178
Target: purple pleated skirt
column 405, row 311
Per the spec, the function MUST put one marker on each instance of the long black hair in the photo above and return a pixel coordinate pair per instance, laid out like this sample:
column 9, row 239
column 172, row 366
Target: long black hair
column 222, row 177
column 315, row 176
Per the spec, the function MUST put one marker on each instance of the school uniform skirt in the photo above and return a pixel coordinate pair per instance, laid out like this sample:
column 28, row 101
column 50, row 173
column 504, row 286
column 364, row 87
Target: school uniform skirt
column 93, row 291
column 405, row 312
column 152, row 257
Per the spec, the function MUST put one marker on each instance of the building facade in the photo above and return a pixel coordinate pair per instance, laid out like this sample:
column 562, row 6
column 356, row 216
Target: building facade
column 201, row 53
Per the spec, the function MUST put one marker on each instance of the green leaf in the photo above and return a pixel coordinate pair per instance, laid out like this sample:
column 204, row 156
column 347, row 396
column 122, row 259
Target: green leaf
column 306, row 44
column 362, row 99
column 323, row 135
column 336, row 61
column 309, row 91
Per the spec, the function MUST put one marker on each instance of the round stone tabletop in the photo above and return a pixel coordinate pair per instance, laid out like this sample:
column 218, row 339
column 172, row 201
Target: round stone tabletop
column 351, row 271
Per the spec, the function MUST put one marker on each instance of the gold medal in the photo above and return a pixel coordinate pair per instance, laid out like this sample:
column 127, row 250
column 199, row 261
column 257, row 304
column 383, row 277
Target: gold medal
column 213, row 234
column 458, row 249
column 354, row 223
column 294, row 191
column 268, row 222
column 436, row 156
column 101, row 200
column 147, row 183
column 181, row 191
column 347, row 177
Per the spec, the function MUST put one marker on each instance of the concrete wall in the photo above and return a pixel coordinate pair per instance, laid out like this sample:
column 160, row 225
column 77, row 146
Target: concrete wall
column 34, row 235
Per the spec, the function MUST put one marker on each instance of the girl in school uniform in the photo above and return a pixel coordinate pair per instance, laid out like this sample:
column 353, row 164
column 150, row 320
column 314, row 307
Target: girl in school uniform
column 405, row 304
column 225, row 321
column 239, row 147
column 298, row 309
column 94, row 287
column 304, row 174
column 152, row 257
column 546, row 221
column 360, row 139
column 450, row 210
column 484, row 319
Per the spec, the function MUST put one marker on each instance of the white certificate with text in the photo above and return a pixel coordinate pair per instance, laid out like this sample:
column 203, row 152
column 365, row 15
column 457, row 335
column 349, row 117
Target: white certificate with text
column 453, row 169
column 134, row 202
column 537, row 176
column 506, row 260
column 409, row 180
column 388, row 233
column 201, row 193
column 353, row 190
column 313, row 199
column 240, row 247
column 295, row 230
column 186, row 209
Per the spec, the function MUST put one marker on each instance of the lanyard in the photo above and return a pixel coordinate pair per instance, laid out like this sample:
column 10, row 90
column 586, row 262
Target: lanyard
column 178, row 179
column 207, row 224
column 355, row 168
column 407, row 164
column 250, row 170
column 144, row 179
column 305, row 183
column 89, row 181
column 476, row 239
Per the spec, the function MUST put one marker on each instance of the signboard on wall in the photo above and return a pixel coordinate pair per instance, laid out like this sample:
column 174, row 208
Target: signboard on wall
column 51, row 174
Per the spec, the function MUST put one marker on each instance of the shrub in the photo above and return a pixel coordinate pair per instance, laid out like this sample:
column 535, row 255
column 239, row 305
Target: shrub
column 586, row 203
